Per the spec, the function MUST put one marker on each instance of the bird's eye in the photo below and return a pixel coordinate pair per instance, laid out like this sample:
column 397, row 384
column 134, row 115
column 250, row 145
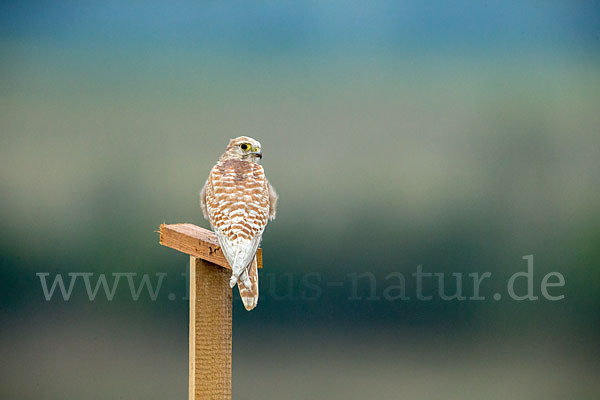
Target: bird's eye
column 244, row 146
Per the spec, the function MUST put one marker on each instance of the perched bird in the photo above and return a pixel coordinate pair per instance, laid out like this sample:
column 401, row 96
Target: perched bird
column 238, row 200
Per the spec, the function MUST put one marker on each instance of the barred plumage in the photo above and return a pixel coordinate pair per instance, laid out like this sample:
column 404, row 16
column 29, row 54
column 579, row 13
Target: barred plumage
column 238, row 201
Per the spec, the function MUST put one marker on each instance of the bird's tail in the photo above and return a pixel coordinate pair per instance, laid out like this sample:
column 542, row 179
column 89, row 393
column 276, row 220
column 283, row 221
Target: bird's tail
column 249, row 294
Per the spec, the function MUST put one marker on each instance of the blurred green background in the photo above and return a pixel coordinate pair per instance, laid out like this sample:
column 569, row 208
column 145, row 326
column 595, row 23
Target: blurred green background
column 460, row 136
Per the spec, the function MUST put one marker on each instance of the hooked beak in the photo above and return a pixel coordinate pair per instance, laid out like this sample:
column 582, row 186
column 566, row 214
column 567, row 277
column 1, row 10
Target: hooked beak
column 257, row 154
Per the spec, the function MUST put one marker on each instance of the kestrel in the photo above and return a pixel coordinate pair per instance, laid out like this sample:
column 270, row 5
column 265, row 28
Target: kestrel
column 238, row 200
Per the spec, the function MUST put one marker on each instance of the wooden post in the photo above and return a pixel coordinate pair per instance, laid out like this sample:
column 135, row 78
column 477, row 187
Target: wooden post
column 210, row 331
column 210, row 309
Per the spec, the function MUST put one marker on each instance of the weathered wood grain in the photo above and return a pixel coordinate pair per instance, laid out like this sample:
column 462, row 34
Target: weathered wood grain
column 210, row 331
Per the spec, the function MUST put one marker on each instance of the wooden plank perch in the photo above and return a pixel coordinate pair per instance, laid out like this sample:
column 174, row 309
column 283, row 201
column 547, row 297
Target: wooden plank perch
column 210, row 309
column 198, row 242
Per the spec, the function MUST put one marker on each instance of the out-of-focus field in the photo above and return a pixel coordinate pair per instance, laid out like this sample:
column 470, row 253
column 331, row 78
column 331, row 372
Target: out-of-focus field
column 81, row 356
column 456, row 155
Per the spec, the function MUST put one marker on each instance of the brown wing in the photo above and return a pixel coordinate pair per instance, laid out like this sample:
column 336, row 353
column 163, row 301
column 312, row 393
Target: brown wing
column 237, row 203
column 273, row 197
column 203, row 200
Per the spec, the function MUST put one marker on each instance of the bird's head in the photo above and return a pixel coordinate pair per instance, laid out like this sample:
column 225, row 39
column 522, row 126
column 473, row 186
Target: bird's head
column 243, row 148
